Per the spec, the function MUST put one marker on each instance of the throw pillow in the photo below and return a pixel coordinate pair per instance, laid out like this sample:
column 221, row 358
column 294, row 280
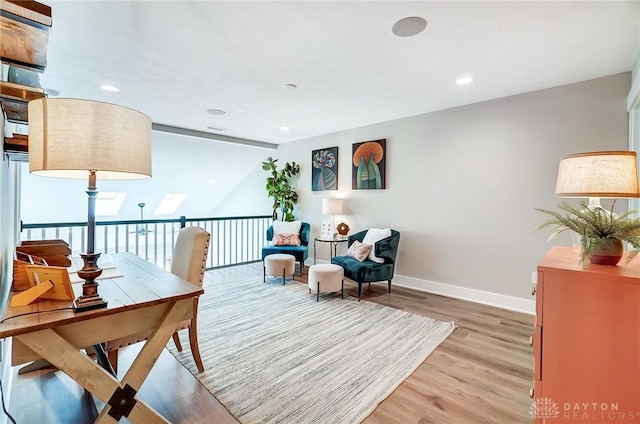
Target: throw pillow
column 373, row 236
column 360, row 251
column 286, row 240
column 282, row 227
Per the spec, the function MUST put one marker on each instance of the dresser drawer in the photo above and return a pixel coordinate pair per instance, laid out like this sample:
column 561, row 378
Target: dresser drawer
column 537, row 353
column 539, row 298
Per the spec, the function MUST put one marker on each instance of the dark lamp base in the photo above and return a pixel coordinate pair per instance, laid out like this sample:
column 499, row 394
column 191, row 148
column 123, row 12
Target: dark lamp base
column 83, row 303
column 90, row 298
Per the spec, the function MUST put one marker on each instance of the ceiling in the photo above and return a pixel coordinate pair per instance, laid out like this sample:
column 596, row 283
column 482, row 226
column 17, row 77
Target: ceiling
column 174, row 60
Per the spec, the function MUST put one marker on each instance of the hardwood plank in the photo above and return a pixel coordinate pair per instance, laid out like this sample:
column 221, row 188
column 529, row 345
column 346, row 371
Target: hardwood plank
column 480, row 374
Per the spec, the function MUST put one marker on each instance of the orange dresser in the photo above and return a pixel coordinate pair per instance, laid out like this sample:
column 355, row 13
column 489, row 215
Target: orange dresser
column 586, row 341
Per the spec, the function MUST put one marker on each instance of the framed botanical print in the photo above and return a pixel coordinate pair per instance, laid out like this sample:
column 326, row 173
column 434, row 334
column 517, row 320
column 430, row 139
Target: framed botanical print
column 324, row 174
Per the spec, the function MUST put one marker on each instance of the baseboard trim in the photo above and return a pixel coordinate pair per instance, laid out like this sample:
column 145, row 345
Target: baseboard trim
column 511, row 303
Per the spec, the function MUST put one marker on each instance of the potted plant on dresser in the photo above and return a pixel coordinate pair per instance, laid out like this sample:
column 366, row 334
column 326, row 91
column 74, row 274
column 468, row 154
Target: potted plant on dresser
column 602, row 232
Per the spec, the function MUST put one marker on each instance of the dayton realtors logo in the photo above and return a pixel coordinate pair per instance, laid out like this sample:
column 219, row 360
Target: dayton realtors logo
column 544, row 408
column 547, row 408
column 598, row 412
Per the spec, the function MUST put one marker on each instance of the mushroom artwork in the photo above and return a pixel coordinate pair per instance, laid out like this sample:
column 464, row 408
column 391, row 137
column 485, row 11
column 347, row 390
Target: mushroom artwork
column 366, row 159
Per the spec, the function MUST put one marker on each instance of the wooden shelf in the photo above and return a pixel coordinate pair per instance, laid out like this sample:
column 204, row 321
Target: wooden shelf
column 17, row 147
column 24, row 30
column 14, row 99
column 31, row 10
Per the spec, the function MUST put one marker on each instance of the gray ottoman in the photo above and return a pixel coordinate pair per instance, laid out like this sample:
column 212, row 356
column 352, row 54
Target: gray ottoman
column 326, row 278
column 279, row 264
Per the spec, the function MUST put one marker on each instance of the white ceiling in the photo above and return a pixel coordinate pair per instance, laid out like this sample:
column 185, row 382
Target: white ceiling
column 173, row 60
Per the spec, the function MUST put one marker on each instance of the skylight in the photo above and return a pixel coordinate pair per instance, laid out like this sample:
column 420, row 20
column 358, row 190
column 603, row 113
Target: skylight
column 109, row 203
column 170, row 204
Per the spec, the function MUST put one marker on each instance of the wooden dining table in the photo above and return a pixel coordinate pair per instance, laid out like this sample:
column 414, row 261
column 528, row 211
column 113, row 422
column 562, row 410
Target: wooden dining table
column 142, row 299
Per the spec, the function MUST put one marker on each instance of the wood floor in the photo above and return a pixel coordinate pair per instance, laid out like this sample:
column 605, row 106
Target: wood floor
column 481, row 374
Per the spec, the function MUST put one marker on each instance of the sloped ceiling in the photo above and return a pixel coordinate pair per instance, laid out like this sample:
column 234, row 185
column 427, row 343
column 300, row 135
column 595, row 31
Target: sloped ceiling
column 180, row 165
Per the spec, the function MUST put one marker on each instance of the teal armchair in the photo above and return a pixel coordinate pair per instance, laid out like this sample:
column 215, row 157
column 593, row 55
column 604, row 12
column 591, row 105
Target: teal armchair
column 301, row 253
column 368, row 271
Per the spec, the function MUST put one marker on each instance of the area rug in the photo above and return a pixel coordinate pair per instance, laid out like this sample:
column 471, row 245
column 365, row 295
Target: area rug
column 272, row 354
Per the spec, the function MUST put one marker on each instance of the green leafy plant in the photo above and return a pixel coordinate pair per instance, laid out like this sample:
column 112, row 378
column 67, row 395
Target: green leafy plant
column 596, row 226
column 279, row 188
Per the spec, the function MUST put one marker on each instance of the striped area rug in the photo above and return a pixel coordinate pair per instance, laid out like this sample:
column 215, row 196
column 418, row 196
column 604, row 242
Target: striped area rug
column 272, row 354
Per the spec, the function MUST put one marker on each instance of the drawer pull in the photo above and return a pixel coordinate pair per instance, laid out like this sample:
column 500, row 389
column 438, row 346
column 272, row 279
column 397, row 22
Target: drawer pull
column 531, row 392
column 531, row 341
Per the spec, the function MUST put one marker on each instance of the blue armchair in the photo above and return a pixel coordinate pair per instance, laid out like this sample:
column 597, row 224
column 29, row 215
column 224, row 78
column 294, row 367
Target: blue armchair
column 368, row 271
column 299, row 252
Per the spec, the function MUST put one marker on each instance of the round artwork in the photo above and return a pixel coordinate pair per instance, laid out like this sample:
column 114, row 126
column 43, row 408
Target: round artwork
column 343, row 229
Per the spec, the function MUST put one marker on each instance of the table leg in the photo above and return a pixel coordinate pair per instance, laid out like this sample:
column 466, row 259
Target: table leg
column 71, row 360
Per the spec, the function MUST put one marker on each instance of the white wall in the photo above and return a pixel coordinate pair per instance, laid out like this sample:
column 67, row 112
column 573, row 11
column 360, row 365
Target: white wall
column 180, row 165
column 462, row 184
column 252, row 199
column 8, row 213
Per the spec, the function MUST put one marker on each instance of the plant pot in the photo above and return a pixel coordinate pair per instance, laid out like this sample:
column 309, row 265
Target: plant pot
column 608, row 252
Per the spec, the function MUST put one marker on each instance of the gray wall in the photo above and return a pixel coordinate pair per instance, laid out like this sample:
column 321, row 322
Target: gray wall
column 462, row 184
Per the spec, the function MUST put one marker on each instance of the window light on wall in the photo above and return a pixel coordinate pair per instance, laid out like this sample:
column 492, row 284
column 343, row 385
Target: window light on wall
column 170, row 204
column 109, row 203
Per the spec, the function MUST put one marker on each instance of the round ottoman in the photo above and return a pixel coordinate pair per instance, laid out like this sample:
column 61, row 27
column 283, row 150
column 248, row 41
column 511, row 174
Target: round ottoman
column 326, row 278
column 279, row 264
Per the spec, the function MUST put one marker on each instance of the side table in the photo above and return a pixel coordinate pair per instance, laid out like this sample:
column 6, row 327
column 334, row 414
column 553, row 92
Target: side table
column 337, row 239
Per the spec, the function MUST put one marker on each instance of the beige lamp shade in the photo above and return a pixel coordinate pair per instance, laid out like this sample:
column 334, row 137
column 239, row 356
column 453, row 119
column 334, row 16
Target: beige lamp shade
column 598, row 174
column 68, row 137
column 331, row 206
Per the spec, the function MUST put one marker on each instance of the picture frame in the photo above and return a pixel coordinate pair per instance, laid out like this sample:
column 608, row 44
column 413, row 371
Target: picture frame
column 369, row 165
column 324, row 172
column 59, row 277
column 327, row 230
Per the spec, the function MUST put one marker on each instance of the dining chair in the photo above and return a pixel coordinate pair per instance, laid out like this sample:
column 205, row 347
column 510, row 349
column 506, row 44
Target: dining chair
column 189, row 263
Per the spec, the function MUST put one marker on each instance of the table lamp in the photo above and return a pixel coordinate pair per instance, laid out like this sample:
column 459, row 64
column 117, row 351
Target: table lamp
column 612, row 174
column 74, row 138
column 331, row 207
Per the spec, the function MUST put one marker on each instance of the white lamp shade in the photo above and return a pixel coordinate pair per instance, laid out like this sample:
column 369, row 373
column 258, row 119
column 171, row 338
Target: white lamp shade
column 598, row 174
column 69, row 137
column 331, row 206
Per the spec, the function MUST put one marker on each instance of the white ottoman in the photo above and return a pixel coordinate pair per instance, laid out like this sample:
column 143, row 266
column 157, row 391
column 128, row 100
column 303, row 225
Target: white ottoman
column 326, row 278
column 279, row 264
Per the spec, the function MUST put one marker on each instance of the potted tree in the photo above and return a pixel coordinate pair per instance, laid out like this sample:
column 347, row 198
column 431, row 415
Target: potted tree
column 602, row 232
column 279, row 188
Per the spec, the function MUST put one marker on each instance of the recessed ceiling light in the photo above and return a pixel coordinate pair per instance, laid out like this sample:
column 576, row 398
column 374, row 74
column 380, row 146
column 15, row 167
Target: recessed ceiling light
column 290, row 86
column 285, row 128
column 211, row 181
column 464, row 80
column 410, row 26
column 111, row 88
column 216, row 111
